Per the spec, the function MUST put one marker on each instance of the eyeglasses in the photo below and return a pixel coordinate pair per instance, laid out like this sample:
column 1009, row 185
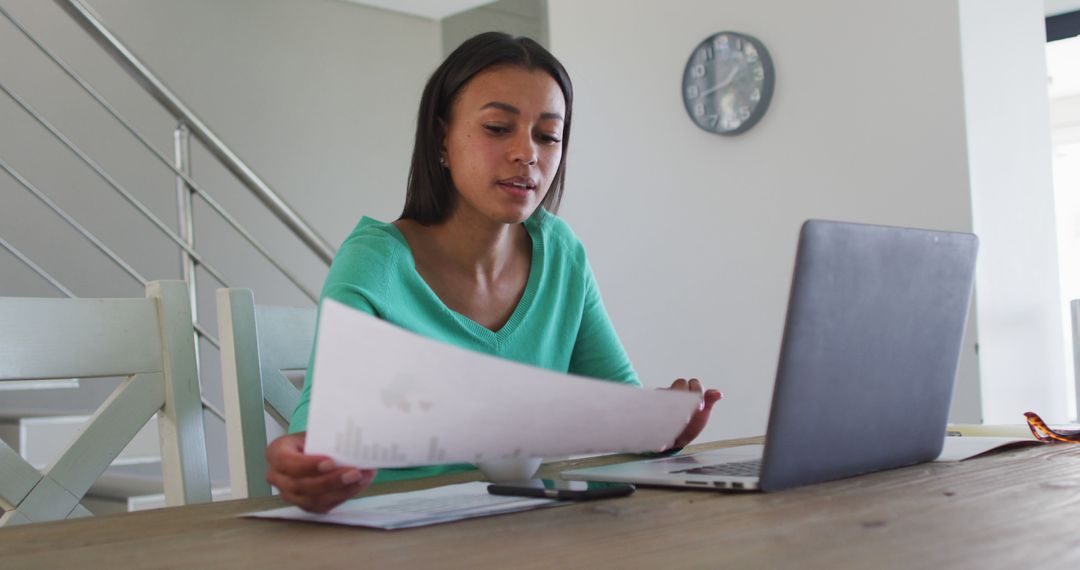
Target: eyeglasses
column 1043, row 432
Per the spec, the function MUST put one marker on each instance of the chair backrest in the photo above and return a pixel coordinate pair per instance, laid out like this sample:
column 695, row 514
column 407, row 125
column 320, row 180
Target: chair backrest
column 258, row 343
column 150, row 342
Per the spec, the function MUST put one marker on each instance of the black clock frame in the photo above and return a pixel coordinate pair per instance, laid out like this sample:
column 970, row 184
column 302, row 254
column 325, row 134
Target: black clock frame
column 767, row 86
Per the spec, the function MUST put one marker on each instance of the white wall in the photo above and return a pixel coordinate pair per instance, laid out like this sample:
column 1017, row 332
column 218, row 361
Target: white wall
column 1021, row 348
column 1054, row 7
column 692, row 235
column 515, row 17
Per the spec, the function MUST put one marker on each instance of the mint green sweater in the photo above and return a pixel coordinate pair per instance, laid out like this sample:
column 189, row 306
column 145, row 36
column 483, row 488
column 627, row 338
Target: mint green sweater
column 560, row 322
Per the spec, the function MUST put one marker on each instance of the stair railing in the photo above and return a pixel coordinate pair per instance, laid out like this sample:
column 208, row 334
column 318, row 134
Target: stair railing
column 188, row 125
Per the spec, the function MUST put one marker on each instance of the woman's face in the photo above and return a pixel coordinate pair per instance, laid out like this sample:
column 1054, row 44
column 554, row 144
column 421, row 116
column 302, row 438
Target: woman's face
column 504, row 142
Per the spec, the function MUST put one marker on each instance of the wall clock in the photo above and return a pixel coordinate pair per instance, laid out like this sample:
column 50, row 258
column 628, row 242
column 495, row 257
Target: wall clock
column 728, row 83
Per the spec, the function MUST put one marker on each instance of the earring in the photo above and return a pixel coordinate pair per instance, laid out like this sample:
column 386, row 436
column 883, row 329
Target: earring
column 442, row 161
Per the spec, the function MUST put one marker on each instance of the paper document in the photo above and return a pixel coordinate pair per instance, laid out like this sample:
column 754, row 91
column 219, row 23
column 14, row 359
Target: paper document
column 416, row 508
column 959, row 448
column 1020, row 431
column 386, row 397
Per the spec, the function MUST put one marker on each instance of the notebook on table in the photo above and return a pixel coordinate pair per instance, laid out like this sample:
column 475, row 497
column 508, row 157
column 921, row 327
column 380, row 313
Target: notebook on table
column 870, row 348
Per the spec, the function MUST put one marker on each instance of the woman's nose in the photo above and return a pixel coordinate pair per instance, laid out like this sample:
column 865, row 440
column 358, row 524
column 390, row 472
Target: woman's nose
column 523, row 151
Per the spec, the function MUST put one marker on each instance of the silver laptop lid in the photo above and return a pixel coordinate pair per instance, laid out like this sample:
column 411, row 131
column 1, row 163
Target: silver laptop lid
column 871, row 344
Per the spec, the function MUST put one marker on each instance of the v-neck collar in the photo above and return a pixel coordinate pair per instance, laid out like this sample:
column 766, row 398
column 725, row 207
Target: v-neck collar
column 533, row 228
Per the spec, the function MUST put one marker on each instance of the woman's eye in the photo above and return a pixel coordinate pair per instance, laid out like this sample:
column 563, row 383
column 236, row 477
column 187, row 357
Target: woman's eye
column 496, row 129
column 550, row 139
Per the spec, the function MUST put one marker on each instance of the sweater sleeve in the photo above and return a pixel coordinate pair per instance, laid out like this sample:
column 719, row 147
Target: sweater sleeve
column 598, row 353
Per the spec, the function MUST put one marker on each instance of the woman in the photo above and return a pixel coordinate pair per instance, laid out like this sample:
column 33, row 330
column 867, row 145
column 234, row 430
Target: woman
column 476, row 259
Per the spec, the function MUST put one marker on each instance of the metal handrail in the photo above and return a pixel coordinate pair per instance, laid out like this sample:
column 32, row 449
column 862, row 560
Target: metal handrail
column 112, row 182
column 67, row 292
column 142, row 74
column 71, row 221
column 106, row 250
column 81, row 230
column 85, row 17
column 186, row 177
column 36, row 268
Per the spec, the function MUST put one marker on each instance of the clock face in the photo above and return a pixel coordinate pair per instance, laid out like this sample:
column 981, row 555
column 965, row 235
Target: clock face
column 728, row 83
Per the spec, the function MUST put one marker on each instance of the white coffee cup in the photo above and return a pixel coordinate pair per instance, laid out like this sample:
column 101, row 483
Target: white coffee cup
column 512, row 469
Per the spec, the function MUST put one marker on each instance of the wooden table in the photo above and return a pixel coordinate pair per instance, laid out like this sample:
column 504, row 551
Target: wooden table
column 1015, row 509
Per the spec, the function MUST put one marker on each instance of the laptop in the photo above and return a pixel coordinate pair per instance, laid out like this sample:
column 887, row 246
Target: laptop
column 871, row 343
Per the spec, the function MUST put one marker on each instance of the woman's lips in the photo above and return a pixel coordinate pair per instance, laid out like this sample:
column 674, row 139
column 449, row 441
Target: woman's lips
column 518, row 185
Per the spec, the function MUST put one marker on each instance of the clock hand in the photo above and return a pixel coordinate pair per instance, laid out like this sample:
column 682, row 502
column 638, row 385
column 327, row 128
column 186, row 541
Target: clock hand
column 722, row 84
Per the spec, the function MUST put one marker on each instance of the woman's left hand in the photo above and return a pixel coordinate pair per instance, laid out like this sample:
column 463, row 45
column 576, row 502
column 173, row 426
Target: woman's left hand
column 701, row 417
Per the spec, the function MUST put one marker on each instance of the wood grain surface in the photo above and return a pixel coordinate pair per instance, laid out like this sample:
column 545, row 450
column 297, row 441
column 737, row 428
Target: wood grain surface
column 1013, row 509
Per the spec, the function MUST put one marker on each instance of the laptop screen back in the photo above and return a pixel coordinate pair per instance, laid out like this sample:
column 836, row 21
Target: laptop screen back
column 871, row 344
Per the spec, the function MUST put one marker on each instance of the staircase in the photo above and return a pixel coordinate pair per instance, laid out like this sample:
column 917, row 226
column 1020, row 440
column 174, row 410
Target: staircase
column 140, row 211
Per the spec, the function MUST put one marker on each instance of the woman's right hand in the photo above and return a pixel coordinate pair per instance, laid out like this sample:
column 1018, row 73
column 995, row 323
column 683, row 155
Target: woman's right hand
column 312, row 482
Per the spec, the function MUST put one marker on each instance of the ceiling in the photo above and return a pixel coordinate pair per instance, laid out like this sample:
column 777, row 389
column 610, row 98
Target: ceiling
column 439, row 9
column 432, row 9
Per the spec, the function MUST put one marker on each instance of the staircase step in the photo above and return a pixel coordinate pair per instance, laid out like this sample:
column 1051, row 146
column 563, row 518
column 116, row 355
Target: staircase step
column 133, row 488
column 18, row 385
column 40, row 439
column 147, row 502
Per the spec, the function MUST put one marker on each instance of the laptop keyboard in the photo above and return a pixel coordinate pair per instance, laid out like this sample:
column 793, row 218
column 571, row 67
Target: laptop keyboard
column 750, row 468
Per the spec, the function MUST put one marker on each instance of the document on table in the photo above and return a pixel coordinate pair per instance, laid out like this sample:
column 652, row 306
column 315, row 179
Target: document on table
column 416, row 508
column 386, row 397
column 959, row 448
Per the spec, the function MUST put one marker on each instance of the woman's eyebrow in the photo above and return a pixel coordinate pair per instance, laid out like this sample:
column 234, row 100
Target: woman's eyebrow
column 512, row 109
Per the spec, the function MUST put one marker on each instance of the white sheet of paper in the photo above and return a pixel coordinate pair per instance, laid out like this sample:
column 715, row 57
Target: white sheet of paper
column 416, row 508
column 959, row 448
column 386, row 397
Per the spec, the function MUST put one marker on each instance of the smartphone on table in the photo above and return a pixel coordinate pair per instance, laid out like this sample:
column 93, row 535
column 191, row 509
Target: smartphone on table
column 562, row 490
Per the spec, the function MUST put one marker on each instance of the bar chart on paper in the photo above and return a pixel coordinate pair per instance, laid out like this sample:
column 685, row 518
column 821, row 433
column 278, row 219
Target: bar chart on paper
column 350, row 443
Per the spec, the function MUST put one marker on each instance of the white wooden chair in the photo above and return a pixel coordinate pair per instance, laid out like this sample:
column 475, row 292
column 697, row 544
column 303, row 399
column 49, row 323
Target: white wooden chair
column 258, row 344
column 149, row 342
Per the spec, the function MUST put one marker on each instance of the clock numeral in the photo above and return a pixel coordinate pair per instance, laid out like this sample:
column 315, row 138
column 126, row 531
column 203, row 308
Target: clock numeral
column 722, row 46
column 693, row 92
column 705, row 53
column 744, row 113
column 698, row 71
column 699, row 109
column 759, row 72
column 751, row 53
column 755, row 95
column 738, row 44
column 730, row 123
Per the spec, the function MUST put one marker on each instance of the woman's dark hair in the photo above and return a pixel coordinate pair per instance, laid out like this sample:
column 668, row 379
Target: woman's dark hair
column 430, row 196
